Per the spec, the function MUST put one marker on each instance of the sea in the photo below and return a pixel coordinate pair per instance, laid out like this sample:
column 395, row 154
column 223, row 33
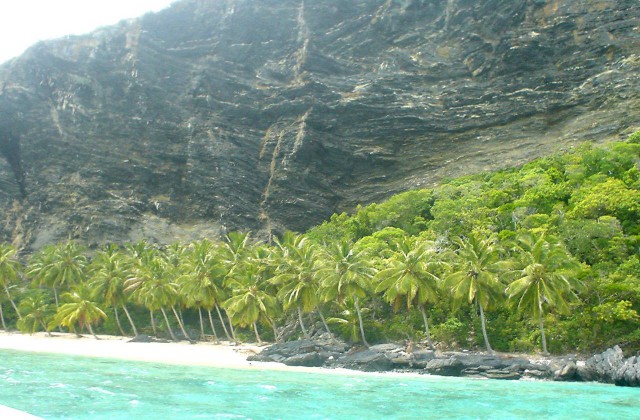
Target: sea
column 71, row 387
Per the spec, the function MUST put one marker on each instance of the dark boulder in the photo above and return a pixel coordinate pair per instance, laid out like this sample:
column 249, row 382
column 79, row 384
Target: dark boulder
column 302, row 352
column 602, row 367
column 629, row 373
column 464, row 364
column 502, row 374
column 445, row 367
column 367, row 361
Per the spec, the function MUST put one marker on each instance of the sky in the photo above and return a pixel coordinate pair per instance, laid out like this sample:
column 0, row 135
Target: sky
column 25, row 22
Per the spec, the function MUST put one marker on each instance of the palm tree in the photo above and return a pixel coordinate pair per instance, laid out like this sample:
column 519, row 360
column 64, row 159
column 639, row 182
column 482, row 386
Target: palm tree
column 297, row 277
column 348, row 321
column 174, row 255
column 410, row 278
column 58, row 266
column 37, row 313
column 346, row 273
column 542, row 280
column 107, row 274
column 201, row 282
column 475, row 276
column 235, row 250
column 80, row 311
column 151, row 287
column 10, row 273
column 250, row 301
column 233, row 254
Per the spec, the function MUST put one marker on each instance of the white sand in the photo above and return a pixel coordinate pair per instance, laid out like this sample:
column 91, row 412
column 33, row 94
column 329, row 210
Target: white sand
column 223, row 355
column 13, row 414
column 182, row 353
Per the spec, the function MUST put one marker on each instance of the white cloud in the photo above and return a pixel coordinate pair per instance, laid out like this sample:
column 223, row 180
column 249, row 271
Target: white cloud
column 25, row 22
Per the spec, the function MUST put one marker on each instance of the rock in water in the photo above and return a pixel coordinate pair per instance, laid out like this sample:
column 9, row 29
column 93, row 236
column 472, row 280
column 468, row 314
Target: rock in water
column 266, row 114
column 602, row 367
column 629, row 373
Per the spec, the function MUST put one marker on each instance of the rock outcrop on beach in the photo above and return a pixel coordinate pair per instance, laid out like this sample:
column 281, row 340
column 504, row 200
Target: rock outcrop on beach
column 270, row 114
column 612, row 366
column 331, row 353
column 608, row 367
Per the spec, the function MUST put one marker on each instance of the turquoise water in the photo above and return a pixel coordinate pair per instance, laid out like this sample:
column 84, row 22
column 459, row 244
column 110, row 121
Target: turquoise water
column 67, row 387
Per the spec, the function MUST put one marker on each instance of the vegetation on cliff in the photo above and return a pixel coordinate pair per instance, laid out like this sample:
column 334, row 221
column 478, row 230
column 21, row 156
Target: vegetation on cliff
column 544, row 256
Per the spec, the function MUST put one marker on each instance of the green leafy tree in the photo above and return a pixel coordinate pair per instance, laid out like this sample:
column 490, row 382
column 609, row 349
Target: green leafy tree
column 151, row 287
column 250, row 301
column 37, row 311
column 297, row 277
column 346, row 274
column 201, row 282
column 410, row 278
column 233, row 255
column 58, row 267
column 174, row 255
column 10, row 273
column 347, row 321
column 108, row 272
column 80, row 311
column 476, row 264
column 544, row 279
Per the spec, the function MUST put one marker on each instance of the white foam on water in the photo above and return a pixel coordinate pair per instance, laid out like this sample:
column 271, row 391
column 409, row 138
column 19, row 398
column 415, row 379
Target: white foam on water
column 101, row 391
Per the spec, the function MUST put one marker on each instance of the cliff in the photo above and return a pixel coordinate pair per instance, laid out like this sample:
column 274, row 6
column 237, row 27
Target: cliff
column 269, row 114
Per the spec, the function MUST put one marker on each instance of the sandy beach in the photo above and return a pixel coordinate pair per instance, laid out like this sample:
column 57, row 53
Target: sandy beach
column 182, row 353
column 223, row 355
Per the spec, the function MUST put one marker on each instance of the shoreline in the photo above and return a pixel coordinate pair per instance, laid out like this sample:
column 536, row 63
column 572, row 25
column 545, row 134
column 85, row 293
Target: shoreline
column 604, row 368
column 224, row 355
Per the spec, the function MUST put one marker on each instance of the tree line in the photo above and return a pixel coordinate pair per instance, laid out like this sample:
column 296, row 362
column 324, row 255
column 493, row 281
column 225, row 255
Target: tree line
column 541, row 256
column 254, row 285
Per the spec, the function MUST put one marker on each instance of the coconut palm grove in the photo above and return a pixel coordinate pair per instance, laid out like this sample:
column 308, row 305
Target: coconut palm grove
column 540, row 258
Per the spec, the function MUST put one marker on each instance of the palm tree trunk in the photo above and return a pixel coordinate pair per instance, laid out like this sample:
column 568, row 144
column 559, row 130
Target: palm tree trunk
column 544, row 338
column 224, row 327
column 304, row 330
column 15, row 308
column 133, row 326
column 426, row 326
column 166, row 319
column 4, row 325
column 233, row 333
column 153, row 323
column 180, row 315
column 324, row 322
column 45, row 328
column 173, row 308
column 91, row 331
column 55, row 296
column 115, row 312
column 275, row 331
column 255, row 329
column 201, row 324
column 355, row 302
column 213, row 328
column 484, row 330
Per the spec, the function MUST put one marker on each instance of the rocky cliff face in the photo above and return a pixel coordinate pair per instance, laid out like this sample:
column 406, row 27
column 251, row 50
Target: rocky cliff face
column 266, row 114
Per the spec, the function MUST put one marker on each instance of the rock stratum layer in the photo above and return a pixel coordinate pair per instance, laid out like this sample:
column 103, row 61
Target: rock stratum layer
column 270, row 114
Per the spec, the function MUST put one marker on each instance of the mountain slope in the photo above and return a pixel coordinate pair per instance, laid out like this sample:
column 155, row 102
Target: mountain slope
column 215, row 115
